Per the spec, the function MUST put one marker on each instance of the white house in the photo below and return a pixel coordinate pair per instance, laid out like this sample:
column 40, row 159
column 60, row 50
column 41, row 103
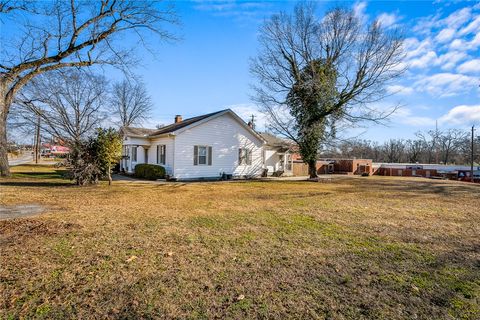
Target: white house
column 207, row 146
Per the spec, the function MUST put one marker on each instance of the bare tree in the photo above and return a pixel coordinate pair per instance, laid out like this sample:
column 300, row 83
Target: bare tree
column 451, row 145
column 68, row 102
column 315, row 73
column 393, row 150
column 60, row 34
column 414, row 149
column 131, row 102
column 7, row 6
column 450, row 142
column 429, row 140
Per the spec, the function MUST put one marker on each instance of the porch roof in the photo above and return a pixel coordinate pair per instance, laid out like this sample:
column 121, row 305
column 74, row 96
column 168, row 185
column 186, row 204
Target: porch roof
column 282, row 145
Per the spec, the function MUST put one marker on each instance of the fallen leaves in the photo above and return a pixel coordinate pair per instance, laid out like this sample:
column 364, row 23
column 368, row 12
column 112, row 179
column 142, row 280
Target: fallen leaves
column 132, row 258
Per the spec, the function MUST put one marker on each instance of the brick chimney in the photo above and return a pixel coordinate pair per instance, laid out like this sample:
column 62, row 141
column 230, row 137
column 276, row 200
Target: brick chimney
column 178, row 118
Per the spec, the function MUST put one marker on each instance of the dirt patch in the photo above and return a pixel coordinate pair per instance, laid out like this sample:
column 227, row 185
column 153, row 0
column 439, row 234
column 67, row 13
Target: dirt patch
column 17, row 231
column 20, row 211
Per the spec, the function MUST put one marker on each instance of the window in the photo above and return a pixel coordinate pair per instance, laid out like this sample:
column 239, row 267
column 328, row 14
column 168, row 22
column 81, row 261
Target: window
column 244, row 156
column 134, row 154
column 161, row 155
column 202, row 155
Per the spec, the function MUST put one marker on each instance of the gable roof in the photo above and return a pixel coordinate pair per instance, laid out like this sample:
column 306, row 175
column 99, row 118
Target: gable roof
column 136, row 132
column 172, row 128
column 184, row 123
column 274, row 141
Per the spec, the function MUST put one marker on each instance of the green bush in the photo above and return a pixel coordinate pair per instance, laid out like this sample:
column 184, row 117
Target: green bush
column 149, row 171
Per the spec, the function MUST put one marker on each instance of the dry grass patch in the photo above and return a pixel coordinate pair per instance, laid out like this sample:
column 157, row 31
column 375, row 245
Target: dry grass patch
column 350, row 249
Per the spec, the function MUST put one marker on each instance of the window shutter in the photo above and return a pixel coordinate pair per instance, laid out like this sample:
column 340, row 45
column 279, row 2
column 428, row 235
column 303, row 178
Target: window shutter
column 164, row 154
column 249, row 156
column 209, row 155
column 157, row 155
column 195, row 155
column 240, row 156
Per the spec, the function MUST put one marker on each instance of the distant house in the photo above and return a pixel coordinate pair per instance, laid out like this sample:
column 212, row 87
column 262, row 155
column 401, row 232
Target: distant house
column 208, row 146
column 51, row 150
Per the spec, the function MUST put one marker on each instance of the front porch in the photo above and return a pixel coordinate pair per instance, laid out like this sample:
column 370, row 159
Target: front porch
column 278, row 162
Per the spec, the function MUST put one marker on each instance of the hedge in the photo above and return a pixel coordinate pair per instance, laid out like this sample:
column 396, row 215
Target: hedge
column 149, row 171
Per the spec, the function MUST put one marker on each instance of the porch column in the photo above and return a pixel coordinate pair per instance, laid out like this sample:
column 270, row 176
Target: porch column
column 145, row 148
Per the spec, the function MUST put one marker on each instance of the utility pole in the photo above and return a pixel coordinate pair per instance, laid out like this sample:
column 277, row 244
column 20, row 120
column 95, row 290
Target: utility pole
column 473, row 153
column 435, row 142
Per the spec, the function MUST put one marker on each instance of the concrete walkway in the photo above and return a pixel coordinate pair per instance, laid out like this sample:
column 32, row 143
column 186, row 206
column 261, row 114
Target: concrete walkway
column 20, row 211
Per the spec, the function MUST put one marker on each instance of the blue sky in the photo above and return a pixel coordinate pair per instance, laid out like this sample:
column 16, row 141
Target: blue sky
column 208, row 69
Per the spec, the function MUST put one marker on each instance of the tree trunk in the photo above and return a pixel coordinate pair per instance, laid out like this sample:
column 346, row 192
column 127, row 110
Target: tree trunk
column 109, row 176
column 312, row 169
column 4, row 167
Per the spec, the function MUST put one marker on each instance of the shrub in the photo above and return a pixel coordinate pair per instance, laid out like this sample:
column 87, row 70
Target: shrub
column 93, row 159
column 149, row 171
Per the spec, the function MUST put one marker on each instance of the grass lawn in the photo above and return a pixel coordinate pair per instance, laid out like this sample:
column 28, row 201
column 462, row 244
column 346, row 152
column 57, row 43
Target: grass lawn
column 353, row 248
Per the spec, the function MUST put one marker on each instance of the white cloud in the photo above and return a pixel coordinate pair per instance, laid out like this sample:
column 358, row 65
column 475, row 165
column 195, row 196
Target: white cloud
column 458, row 18
column 458, row 44
column 423, row 54
column 472, row 66
column 446, row 84
column 359, row 9
column 388, row 20
column 425, row 24
column 445, row 35
column 450, row 59
column 408, row 117
column 465, row 45
column 415, row 47
column 424, row 61
column 472, row 27
column 399, row 89
column 246, row 110
column 462, row 115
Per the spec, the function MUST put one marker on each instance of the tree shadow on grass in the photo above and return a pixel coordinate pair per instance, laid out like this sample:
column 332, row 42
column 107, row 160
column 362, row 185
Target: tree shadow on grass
column 37, row 183
column 422, row 187
column 57, row 174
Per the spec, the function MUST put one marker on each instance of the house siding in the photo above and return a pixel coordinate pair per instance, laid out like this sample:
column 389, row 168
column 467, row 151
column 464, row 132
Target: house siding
column 225, row 135
column 169, row 152
column 271, row 160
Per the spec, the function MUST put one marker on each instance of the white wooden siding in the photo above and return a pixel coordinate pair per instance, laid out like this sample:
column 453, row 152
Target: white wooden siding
column 271, row 160
column 169, row 151
column 225, row 135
